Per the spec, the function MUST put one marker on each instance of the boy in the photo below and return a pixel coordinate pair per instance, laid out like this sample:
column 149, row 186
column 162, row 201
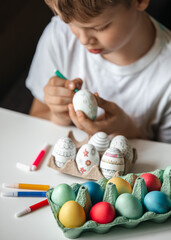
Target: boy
column 112, row 47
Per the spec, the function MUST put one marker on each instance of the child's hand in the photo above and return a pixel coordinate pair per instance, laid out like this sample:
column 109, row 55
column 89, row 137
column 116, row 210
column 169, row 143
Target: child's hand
column 58, row 94
column 114, row 121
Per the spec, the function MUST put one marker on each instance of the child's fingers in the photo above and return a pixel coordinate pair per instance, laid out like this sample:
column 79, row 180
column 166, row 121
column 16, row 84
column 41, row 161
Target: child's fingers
column 71, row 85
column 56, row 100
column 56, row 81
column 75, row 83
column 106, row 105
column 58, row 91
column 59, row 108
column 73, row 115
column 80, row 120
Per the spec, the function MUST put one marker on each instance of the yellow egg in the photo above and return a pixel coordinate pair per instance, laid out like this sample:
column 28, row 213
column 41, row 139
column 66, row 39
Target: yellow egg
column 72, row 215
column 121, row 185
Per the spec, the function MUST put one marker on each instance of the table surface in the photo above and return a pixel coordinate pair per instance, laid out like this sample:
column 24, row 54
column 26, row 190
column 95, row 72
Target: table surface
column 21, row 138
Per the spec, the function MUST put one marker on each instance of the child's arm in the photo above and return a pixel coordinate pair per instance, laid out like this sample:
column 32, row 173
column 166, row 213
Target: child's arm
column 41, row 110
column 58, row 94
column 114, row 121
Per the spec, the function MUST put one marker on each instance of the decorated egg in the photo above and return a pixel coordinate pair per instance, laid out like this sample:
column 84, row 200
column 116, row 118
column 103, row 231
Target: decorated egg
column 63, row 151
column 102, row 212
column 129, row 206
column 62, row 193
column 95, row 191
column 111, row 162
column 101, row 141
column 122, row 185
column 157, row 202
column 87, row 156
column 85, row 101
column 72, row 215
column 123, row 145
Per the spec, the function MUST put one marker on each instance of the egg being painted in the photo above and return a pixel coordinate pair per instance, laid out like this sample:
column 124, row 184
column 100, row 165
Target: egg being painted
column 86, row 102
column 87, row 156
column 123, row 145
column 63, row 151
column 101, row 141
column 111, row 162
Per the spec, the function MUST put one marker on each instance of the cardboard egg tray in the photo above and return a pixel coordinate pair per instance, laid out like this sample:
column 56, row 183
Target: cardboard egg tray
column 94, row 173
column 110, row 195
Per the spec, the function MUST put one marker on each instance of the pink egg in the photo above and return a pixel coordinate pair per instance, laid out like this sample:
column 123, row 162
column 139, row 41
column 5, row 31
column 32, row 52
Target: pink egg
column 102, row 212
column 152, row 182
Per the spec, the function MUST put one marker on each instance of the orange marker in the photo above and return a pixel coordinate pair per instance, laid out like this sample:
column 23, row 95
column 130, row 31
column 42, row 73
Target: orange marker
column 28, row 186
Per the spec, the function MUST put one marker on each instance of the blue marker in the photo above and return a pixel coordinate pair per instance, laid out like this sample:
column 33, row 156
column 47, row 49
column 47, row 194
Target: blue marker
column 23, row 194
column 58, row 74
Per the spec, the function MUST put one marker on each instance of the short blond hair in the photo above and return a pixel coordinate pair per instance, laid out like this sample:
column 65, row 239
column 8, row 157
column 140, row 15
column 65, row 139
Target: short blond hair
column 82, row 10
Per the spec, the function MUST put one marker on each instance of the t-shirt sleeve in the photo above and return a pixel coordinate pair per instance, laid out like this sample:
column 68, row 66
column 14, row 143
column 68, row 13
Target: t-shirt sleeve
column 47, row 58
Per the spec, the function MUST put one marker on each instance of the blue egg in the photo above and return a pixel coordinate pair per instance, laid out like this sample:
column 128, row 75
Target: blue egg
column 157, row 202
column 95, row 191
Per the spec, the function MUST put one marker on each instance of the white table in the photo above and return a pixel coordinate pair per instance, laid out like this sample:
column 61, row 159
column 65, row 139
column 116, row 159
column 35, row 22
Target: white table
column 21, row 138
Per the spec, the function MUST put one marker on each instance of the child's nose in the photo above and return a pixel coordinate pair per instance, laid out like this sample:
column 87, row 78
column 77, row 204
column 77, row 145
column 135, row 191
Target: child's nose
column 86, row 38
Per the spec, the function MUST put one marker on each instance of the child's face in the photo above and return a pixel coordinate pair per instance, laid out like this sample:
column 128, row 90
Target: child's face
column 109, row 32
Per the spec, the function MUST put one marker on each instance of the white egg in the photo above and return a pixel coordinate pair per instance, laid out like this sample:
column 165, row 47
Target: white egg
column 86, row 102
column 123, row 145
column 111, row 162
column 100, row 140
column 63, row 151
column 87, row 156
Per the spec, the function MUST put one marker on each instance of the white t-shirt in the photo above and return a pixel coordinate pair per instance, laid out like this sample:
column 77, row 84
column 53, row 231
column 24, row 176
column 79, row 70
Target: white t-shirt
column 141, row 89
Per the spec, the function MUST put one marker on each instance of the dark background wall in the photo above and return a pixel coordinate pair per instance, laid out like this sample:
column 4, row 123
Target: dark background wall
column 21, row 24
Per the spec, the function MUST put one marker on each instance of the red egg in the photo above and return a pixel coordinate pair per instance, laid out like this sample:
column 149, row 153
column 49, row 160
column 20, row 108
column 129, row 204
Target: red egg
column 102, row 212
column 152, row 182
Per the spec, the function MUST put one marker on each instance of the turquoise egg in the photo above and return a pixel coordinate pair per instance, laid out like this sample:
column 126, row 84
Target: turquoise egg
column 62, row 193
column 95, row 191
column 157, row 202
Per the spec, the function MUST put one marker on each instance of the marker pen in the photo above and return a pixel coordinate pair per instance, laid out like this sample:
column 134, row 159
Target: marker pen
column 36, row 162
column 58, row 74
column 32, row 208
column 28, row 186
column 23, row 194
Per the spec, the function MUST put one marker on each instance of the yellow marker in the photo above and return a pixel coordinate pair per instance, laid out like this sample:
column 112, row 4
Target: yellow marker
column 27, row 186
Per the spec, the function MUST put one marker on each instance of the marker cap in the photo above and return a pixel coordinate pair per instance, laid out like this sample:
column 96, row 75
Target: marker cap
column 23, row 167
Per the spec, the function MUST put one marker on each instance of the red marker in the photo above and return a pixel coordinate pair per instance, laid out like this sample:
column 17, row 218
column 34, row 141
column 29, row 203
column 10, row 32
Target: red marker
column 35, row 164
column 32, row 208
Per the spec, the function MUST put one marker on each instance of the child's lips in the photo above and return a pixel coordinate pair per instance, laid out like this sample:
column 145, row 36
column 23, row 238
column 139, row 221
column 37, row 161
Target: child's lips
column 95, row 51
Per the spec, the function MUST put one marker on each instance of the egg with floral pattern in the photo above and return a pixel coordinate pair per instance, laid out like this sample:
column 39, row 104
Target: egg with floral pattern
column 87, row 156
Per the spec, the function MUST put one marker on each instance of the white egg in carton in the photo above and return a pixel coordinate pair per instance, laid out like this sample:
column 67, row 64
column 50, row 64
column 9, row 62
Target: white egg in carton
column 94, row 158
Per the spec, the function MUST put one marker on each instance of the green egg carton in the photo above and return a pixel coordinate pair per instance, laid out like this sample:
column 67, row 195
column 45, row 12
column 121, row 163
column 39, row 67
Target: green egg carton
column 110, row 195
